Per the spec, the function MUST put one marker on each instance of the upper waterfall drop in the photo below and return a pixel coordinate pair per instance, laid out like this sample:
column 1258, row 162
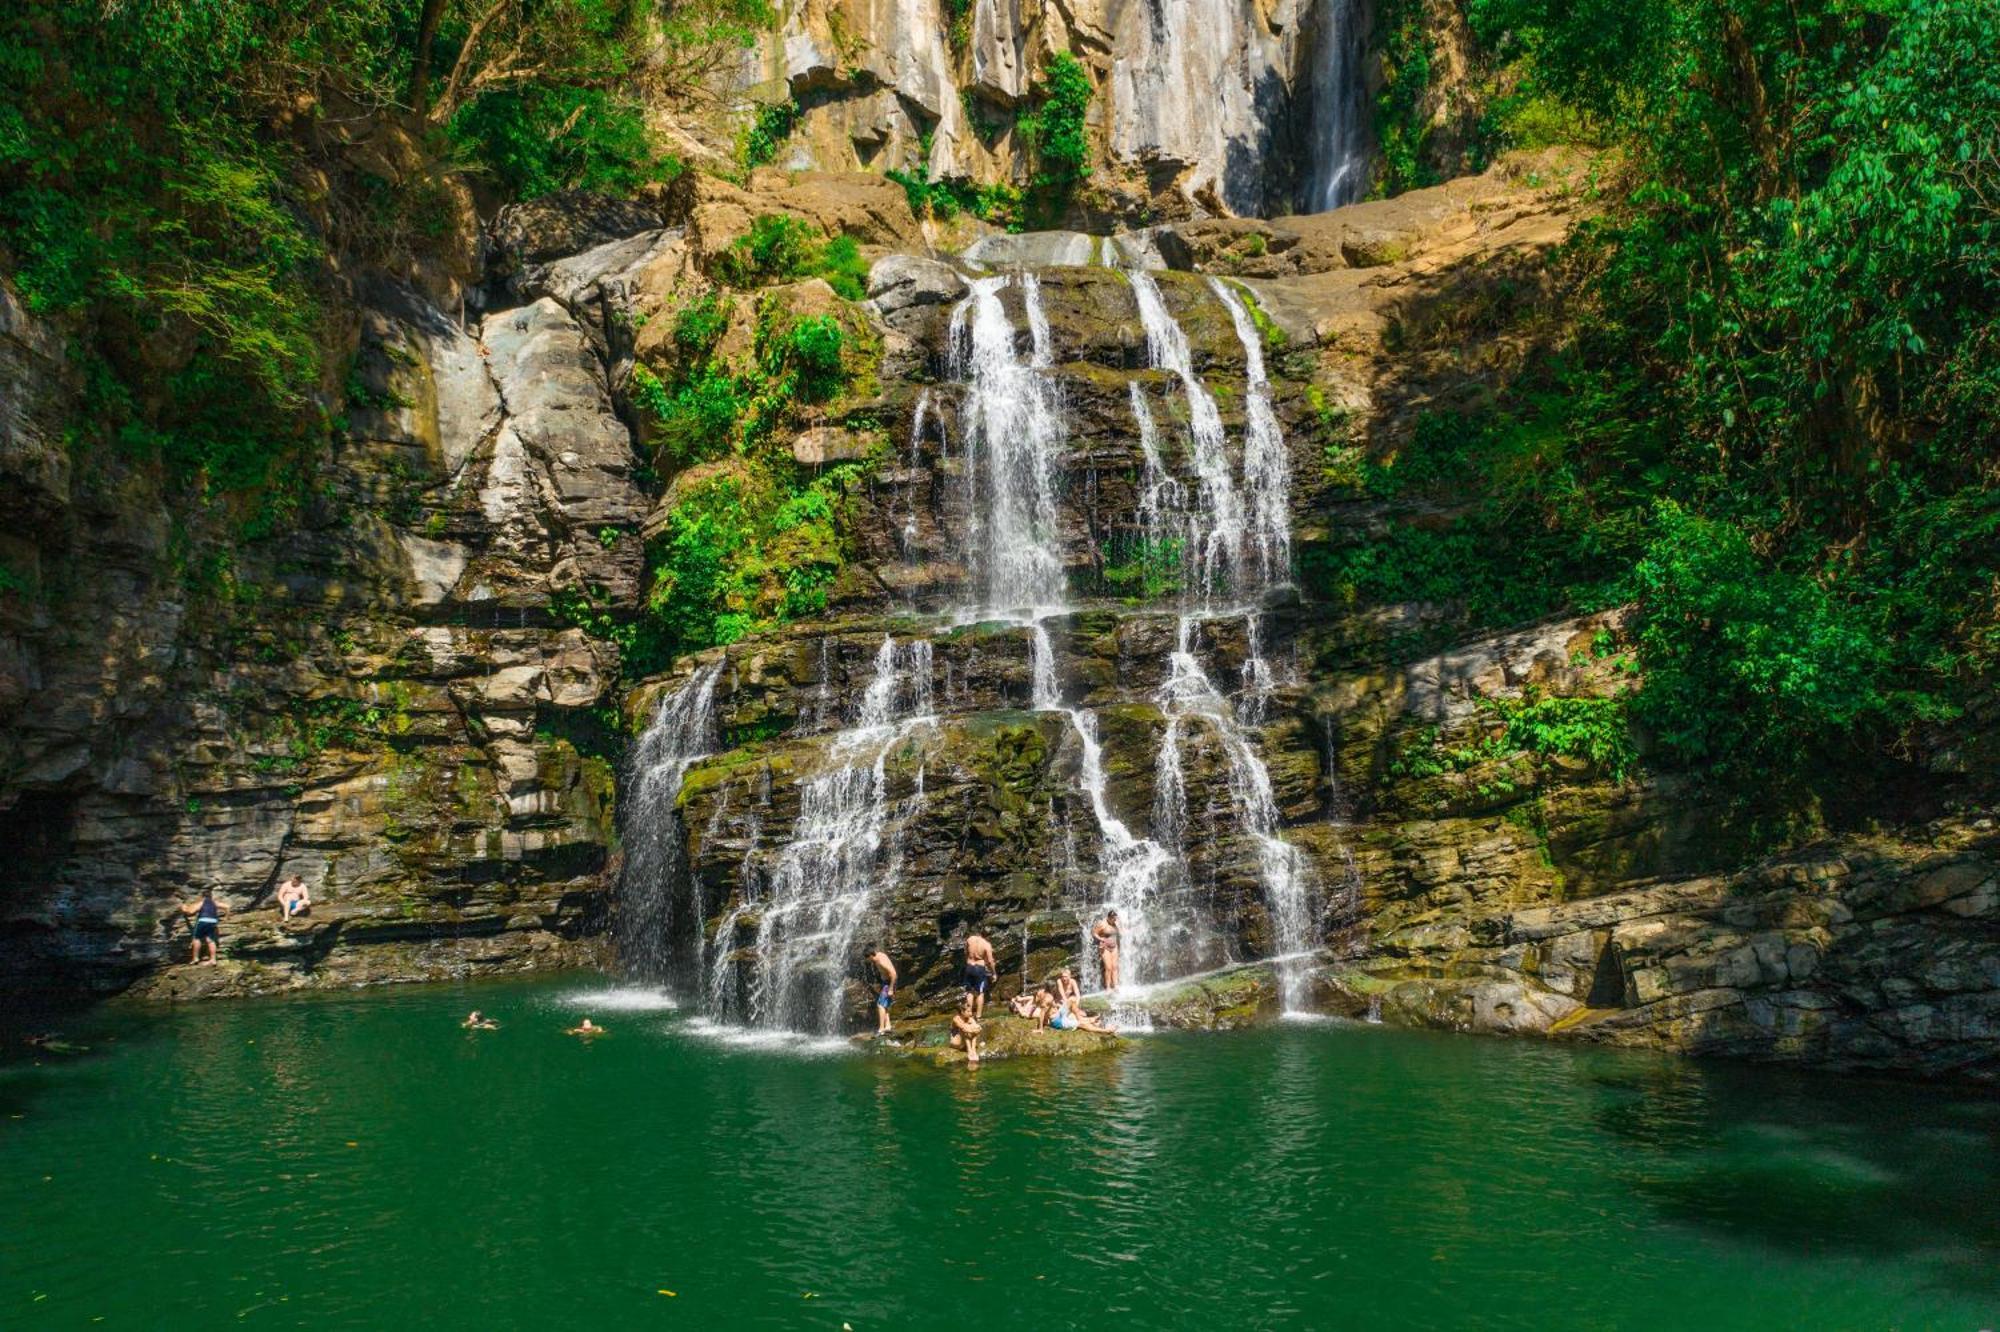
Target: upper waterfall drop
column 1337, row 145
column 1011, row 421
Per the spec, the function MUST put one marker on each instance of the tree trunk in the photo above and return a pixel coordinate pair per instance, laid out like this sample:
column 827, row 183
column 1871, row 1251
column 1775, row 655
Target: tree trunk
column 420, row 71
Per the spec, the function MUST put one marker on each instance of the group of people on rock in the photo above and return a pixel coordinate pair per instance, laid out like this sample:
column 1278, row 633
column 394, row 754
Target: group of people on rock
column 1055, row 1005
column 293, row 899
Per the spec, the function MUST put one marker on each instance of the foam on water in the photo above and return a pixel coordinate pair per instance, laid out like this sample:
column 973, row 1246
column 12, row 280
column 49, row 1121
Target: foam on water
column 619, row 999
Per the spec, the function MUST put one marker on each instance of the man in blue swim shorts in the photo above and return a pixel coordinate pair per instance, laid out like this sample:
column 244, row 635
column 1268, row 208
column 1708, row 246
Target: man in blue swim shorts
column 885, row 987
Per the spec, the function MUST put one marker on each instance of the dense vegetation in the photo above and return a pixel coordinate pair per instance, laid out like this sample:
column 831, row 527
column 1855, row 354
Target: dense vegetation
column 1768, row 409
column 752, row 535
column 175, row 176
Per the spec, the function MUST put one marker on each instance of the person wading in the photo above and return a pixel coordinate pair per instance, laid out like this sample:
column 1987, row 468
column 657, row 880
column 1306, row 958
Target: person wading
column 885, row 987
column 980, row 968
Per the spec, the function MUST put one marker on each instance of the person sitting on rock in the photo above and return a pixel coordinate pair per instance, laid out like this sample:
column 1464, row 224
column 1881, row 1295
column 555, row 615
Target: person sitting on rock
column 294, row 899
column 965, row 1030
column 1066, row 987
column 585, row 1028
column 207, row 915
column 478, row 1021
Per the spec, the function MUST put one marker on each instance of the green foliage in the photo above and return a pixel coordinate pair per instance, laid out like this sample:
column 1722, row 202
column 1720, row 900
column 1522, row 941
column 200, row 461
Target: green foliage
column 739, row 555
column 810, row 350
column 1143, row 568
column 946, row 199
column 1056, row 136
column 1402, row 129
column 1785, row 331
column 538, row 140
column 767, row 132
column 782, row 248
column 1597, row 730
column 1750, row 669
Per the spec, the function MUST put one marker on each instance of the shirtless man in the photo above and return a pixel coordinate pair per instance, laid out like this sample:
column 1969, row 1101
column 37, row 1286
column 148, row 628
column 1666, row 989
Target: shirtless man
column 293, row 898
column 1105, row 932
column 478, row 1021
column 585, row 1028
column 885, row 987
column 980, row 969
column 965, row 1030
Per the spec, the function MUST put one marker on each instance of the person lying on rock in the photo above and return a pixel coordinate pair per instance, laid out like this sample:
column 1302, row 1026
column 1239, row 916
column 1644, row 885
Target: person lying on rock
column 1072, row 1017
column 585, row 1028
column 294, row 899
column 980, row 969
column 885, row 975
column 965, row 1030
column 478, row 1021
column 207, row 915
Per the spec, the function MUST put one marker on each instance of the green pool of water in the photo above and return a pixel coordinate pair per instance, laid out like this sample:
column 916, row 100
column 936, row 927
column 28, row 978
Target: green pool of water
column 360, row 1162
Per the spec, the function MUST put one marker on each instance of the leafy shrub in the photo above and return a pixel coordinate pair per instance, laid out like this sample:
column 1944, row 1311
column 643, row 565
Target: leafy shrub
column 1749, row 669
column 767, row 133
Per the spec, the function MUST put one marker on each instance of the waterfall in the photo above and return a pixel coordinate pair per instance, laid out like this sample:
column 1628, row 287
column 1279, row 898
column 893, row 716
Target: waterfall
column 832, row 867
column 1012, row 423
column 1338, row 145
column 1218, row 536
column 681, row 732
column 1189, row 695
column 1267, row 475
column 781, row 955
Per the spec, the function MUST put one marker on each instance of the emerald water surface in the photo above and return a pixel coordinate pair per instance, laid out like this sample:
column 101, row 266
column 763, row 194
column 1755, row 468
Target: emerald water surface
column 361, row 1162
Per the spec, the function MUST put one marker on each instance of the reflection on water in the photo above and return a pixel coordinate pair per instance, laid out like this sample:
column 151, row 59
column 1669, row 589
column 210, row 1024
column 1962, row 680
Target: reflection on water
column 347, row 1163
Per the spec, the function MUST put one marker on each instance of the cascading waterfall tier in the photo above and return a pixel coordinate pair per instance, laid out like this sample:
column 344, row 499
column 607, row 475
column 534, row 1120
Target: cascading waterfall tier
column 829, row 875
column 682, row 731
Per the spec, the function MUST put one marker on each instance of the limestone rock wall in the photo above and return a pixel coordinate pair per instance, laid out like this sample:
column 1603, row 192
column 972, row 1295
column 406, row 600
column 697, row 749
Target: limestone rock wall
column 377, row 698
column 1200, row 104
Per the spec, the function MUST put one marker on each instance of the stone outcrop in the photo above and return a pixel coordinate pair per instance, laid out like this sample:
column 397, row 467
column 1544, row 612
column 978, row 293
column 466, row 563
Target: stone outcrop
column 376, row 700
column 405, row 696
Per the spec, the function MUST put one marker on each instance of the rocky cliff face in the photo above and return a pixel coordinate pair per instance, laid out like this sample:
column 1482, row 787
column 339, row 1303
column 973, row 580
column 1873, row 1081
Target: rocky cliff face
column 377, row 699
column 1206, row 104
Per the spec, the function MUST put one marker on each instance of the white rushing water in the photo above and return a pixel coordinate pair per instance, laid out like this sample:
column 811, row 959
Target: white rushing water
column 1011, row 420
column 1239, row 557
column 1338, row 146
column 681, row 732
column 832, row 868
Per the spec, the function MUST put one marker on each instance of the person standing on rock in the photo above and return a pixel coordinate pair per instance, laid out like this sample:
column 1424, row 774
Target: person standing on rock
column 1105, row 932
column 885, row 987
column 207, row 915
column 980, row 968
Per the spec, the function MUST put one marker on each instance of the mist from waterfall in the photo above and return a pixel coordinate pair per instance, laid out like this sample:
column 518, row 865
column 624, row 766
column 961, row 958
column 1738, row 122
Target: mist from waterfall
column 1337, row 146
